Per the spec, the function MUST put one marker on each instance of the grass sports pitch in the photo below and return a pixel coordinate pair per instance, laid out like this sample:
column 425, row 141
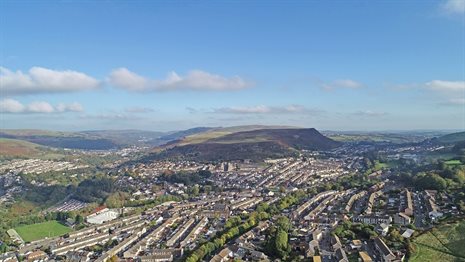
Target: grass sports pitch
column 42, row 230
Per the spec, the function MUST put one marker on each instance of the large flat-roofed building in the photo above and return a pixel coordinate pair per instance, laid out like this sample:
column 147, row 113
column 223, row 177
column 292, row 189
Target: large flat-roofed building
column 102, row 217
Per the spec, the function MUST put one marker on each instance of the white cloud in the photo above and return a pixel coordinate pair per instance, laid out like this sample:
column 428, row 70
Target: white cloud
column 73, row 107
column 9, row 105
column 447, row 92
column 456, row 101
column 369, row 113
column 116, row 116
column 126, row 79
column 194, row 80
column 40, row 107
column 341, row 83
column 137, row 109
column 40, row 80
column 43, row 80
column 262, row 109
column 446, row 86
column 454, row 6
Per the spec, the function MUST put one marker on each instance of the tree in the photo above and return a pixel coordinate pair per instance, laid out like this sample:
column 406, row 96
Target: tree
column 281, row 243
column 79, row 219
column 207, row 189
column 117, row 199
column 192, row 258
column 283, row 223
column 262, row 207
column 395, row 236
column 195, row 190
column 3, row 248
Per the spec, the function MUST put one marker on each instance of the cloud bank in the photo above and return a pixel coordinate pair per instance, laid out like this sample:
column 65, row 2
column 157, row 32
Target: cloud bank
column 137, row 109
column 15, row 107
column 262, row 109
column 341, row 84
column 455, row 101
column 454, row 7
column 446, row 86
column 194, row 80
column 369, row 113
column 42, row 80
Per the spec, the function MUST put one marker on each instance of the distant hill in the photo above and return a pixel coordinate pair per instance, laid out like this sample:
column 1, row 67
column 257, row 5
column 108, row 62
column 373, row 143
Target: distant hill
column 301, row 138
column 31, row 132
column 456, row 140
column 212, row 133
column 452, row 138
column 179, row 135
column 255, row 139
column 396, row 137
column 70, row 140
column 255, row 144
column 98, row 139
column 377, row 138
column 224, row 152
column 13, row 149
column 17, row 148
column 125, row 137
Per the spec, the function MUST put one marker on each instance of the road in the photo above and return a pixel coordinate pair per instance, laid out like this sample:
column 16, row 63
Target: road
column 420, row 212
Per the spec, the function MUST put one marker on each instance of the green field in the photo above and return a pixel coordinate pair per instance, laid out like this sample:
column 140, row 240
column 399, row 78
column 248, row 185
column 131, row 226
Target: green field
column 379, row 165
column 452, row 138
column 445, row 243
column 453, row 162
column 42, row 230
column 376, row 137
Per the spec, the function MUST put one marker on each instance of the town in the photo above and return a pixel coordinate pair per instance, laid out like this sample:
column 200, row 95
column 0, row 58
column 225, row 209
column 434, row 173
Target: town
column 318, row 206
column 230, row 131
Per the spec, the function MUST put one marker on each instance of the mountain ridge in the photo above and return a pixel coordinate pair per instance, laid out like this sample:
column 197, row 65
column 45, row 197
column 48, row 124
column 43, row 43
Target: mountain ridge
column 253, row 144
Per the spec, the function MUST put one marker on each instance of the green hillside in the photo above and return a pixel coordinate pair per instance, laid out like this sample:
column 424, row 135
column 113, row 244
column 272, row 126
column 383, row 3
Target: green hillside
column 216, row 133
column 73, row 140
column 300, row 138
column 452, row 138
column 444, row 243
column 254, row 144
column 14, row 148
column 377, row 137
column 18, row 148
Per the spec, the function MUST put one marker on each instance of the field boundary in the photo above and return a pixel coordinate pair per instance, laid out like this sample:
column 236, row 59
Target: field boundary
column 438, row 250
column 444, row 249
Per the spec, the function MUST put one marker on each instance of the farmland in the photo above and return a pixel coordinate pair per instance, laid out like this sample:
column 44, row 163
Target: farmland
column 380, row 165
column 453, row 162
column 377, row 137
column 442, row 244
column 42, row 230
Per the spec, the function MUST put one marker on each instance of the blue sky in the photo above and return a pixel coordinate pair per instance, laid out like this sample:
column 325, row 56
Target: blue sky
column 155, row 65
